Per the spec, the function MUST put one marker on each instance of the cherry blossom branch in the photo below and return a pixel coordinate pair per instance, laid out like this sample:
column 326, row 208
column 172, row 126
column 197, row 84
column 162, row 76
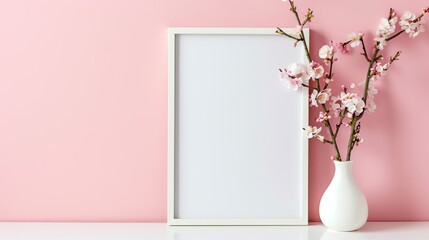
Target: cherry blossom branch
column 329, row 126
column 368, row 74
column 293, row 9
column 356, row 117
column 402, row 31
column 331, row 132
column 318, row 88
column 280, row 31
column 351, row 105
column 327, row 141
column 327, row 121
column 308, row 17
column 330, row 75
column 395, row 57
column 394, row 36
column 374, row 59
column 342, row 116
column 308, row 86
column 392, row 59
column 355, row 136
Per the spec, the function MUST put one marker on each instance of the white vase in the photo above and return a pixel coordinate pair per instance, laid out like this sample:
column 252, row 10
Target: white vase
column 343, row 206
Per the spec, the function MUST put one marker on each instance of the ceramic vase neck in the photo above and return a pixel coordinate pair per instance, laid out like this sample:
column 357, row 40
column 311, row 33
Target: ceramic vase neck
column 343, row 170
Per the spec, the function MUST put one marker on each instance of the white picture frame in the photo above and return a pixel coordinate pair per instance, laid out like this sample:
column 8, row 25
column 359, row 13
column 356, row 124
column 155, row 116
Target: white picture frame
column 237, row 154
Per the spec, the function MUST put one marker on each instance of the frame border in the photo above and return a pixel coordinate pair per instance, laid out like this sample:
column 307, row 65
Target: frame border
column 172, row 33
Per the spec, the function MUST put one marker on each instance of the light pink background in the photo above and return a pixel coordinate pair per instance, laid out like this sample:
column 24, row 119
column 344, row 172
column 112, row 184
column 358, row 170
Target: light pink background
column 83, row 106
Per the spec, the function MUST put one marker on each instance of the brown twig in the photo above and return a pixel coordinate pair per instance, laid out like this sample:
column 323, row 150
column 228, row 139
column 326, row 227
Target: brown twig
column 280, row 31
column 365, row 53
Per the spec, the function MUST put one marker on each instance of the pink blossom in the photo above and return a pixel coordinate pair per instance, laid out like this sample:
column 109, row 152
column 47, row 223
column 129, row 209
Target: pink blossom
column 342, row 48
column 286, row 80
column 323, row 116
column 292, row 83
column 353, row 103
column 336, row 106
column 295, row 75
column 316, row 71
column 314, row 64
column 426, row 10
column 298, row 70
column 379, row 70
column 336, row 103
column 323, row 96
column 319, row 97
column 313, row 97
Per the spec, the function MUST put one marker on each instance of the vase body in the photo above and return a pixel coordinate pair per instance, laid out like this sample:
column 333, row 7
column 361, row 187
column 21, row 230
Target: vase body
column 343, row 206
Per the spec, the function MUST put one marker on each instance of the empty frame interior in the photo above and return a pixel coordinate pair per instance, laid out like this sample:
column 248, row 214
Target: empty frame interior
column 237, row 153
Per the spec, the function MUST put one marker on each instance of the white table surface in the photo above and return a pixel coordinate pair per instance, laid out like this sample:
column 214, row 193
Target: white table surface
column 160, row 231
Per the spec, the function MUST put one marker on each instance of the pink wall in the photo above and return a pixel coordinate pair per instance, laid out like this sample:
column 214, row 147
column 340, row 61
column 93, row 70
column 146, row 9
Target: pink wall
column 83, row 101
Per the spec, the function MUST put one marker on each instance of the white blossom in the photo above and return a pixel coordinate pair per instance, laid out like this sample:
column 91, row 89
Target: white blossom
column 411, row 24
column 326, row 52
column 354, row 39
column 313, row 98
column 312, row 131
column 386, row 27
column 323, row 96
column 295, row 75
